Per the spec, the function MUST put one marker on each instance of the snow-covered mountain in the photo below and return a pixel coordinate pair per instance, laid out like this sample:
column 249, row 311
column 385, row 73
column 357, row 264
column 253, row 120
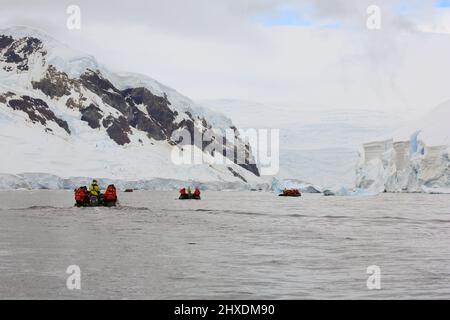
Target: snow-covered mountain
column 63, row 113
column 415, row 159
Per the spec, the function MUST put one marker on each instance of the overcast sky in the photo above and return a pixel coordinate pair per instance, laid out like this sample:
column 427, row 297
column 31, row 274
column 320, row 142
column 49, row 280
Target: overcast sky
column 298, row 52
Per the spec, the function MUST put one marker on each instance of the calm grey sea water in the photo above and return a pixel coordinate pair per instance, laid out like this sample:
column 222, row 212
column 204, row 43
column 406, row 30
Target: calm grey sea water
column 228, row 246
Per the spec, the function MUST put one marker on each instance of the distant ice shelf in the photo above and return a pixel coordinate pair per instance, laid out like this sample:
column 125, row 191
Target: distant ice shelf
column 42, row 181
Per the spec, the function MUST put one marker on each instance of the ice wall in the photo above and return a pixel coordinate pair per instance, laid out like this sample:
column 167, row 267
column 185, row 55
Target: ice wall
column 403, row 166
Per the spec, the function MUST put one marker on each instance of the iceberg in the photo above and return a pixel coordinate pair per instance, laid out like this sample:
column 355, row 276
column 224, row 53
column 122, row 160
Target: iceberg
column 416, row 159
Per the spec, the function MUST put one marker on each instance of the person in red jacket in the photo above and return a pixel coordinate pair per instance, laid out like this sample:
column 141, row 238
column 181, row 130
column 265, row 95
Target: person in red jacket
column 111, row 193
column 81, row 196
column 197, row 193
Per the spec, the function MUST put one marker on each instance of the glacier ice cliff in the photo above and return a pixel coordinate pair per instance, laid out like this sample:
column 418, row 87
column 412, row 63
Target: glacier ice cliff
column 416, row 159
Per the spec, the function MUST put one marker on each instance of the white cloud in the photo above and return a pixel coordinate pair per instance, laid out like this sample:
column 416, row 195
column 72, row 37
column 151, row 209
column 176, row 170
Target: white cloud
column 216, row 49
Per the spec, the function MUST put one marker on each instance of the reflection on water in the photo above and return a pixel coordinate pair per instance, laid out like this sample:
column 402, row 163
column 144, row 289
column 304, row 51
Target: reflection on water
column 227, row 246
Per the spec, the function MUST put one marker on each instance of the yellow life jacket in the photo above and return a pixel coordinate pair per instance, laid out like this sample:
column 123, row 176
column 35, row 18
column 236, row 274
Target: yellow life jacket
column 94, row 190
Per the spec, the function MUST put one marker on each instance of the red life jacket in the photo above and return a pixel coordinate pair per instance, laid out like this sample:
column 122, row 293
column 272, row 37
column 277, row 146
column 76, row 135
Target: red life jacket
column 183, row 191
column 197, row 193
column 110, row 194
column 80, row 195
column 292, row 192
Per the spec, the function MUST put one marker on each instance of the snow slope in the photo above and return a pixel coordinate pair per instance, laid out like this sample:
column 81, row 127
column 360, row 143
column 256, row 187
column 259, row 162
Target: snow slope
column 62, row 113
column 318, row 144
column 415, row 159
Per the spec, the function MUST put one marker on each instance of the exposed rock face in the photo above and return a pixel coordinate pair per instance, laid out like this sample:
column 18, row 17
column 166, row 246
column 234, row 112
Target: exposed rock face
column 36, row 109
column 102, row 105
column 162, row 118
column 118, row 129
column 236, row 174
column 55, row 84
column 5, row 41
column 140, row 108
column 92, row 115
column 16, row 52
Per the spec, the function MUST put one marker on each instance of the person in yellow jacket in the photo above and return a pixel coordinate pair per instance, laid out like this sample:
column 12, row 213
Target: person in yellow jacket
column 94, row 189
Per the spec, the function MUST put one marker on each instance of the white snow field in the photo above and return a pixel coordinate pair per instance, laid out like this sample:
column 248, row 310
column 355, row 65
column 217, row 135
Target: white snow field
column 49, row 151
column 414, row 159
column 318, row 144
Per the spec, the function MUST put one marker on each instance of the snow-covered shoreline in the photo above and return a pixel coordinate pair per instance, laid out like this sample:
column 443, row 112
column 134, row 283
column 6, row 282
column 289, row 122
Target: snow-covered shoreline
column 40, row 181
column 45, row 181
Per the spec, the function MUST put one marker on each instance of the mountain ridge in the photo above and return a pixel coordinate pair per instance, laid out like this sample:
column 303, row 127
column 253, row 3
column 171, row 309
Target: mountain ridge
column 64, row 98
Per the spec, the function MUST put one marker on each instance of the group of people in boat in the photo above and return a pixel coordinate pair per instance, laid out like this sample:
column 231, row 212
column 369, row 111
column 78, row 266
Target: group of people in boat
column 93, row 196
column 187, row 194
column 291, row 193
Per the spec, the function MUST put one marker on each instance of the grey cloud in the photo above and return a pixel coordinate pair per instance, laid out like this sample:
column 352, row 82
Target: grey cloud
column 216, row 49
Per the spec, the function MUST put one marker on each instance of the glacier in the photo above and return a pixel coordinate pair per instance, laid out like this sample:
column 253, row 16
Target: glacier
column 318, row 144
column 415, row 159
